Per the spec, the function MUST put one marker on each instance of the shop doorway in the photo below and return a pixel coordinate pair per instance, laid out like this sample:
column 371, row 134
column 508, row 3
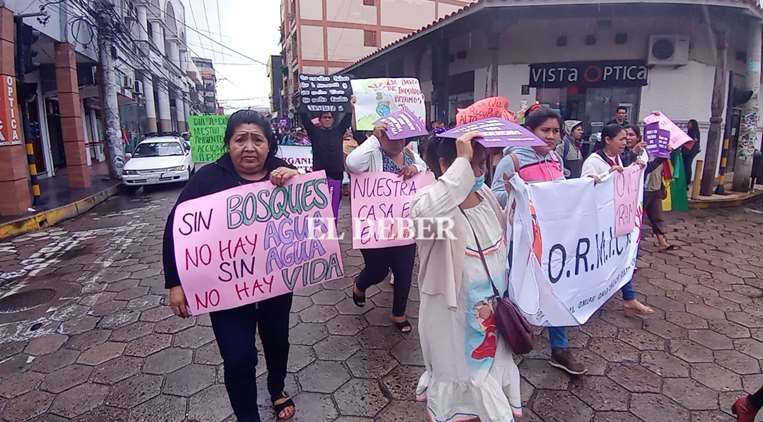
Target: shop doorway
column 56, row 136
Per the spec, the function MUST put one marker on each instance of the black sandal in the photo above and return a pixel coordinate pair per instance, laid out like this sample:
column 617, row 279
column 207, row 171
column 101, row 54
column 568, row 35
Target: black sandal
column 360, row 301
column 282, row 406
column 404, row 327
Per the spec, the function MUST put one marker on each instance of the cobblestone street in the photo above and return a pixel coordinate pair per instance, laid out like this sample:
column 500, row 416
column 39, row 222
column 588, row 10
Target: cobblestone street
column 88, row 338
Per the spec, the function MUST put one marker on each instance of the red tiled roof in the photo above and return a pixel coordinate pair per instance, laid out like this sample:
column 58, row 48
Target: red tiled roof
column 755, row 4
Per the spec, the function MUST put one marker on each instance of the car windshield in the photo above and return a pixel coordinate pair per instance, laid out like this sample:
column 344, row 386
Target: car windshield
column 158, row 149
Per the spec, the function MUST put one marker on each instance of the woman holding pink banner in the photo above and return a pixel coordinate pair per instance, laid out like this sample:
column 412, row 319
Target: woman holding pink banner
column 251, row 157
column 470, row 375
column 379, row 153
column 606, row 159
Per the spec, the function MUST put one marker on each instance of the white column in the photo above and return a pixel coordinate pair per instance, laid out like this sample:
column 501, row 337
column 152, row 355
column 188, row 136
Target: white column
column 165, row 118
column 180, row 110
column 174, row 53
column 158, row 34
column 148, row 93
column 184, row 60
column 142, row 23
column 749, row 140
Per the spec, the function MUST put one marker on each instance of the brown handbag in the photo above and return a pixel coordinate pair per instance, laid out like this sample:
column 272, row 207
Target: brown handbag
column 512, row 326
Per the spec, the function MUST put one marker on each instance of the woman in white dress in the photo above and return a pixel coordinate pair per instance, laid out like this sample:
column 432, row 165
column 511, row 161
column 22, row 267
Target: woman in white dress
column 470, row 372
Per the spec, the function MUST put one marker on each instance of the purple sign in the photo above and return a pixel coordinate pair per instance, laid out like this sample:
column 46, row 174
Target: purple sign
column 496, row 133
column 402, row 124
column 657, row 140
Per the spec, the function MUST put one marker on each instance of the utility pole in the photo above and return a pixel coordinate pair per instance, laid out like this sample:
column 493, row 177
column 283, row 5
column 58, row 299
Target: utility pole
column 716, row 111
column 110, row 105
column 748, row 138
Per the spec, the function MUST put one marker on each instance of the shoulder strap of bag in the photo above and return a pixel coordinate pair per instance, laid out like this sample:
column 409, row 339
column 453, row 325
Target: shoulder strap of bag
column 515, row 160
column 482, row 255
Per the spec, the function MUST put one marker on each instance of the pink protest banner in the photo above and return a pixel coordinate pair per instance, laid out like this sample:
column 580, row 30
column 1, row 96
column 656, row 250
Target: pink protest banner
column 627, row 186
column 381, row 208
column 254, row 242
column 678, row 137
column 485, row 108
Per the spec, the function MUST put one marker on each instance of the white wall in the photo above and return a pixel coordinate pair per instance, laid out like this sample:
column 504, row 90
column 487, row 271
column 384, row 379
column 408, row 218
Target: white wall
column 347, row 11
column 411, row 14
column 310, row 9
column 682, row 94
column 511, row 77
column 312, row 42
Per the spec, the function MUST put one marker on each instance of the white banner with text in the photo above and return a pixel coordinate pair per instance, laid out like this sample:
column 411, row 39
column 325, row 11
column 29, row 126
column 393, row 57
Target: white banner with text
column 566, row 260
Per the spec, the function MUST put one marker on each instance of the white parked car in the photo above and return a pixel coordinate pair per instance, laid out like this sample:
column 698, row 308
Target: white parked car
column 163, row 159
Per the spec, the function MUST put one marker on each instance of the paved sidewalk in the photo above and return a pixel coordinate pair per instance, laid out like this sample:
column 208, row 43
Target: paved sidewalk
column 101, row 347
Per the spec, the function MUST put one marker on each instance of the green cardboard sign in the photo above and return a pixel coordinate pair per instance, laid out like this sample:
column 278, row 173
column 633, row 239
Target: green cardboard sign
column 207, row 133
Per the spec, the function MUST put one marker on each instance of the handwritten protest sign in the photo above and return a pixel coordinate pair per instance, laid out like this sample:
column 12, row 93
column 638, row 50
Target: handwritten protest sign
column 627, row 186
column 255, row 241
column 677, row 136
column 381, row 207
column 376, row 98
column 320, row 93
column 657, row 141
column 403, row 124
column 483, row 109
column 207, row 133
column 496, row 133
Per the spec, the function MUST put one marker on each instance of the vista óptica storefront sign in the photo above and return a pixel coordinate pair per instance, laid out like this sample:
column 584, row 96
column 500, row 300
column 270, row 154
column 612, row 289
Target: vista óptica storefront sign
column 10, row 120
column 623, row 73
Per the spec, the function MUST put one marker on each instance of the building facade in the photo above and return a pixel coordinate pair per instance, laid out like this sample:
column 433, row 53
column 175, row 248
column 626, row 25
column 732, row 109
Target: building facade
column 208, row 85
column 645, row 56
column 325, row 36
column 61, row 93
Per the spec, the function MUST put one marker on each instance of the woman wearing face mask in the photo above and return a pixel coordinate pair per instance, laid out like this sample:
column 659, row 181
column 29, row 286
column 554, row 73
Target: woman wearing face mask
column 470, row 375
column 539, row 164
column 251, row 157
column 602, row 162
column 375, row 154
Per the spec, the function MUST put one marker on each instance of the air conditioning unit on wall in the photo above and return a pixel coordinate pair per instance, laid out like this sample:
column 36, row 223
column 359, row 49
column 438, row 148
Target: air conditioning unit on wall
column 668, row 50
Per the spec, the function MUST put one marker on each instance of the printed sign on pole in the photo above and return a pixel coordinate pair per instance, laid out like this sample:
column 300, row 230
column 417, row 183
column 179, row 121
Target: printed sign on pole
column 377, row 98
column 299, row 156
column 656, row 140
column 403, row 124
column 627, row 186
column 207, row 134
column 381, row 208
column 677, row 136
column 321, row 93
column 254, row 242
column 496, row 133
